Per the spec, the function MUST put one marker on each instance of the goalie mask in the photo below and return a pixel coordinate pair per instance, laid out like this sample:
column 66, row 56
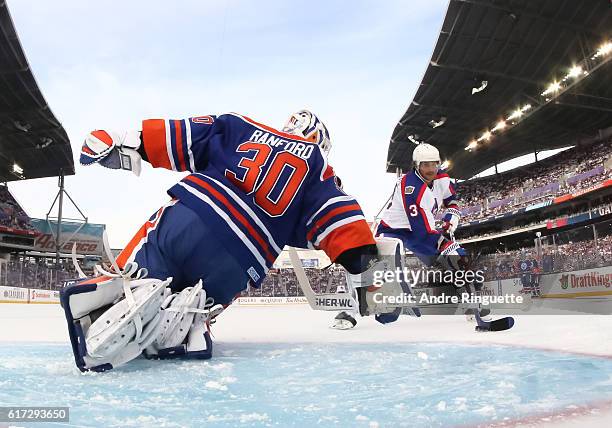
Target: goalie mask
column 308, row 126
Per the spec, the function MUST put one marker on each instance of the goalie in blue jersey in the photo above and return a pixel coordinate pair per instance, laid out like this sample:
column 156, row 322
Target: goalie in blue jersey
column 251, row 190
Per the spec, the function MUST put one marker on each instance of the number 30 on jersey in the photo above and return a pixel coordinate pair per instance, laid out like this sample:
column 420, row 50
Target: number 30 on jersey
column 274, row 182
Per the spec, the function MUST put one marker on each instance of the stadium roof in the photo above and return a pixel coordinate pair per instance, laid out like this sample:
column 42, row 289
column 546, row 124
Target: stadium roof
column 494, row 57
column 30, row 135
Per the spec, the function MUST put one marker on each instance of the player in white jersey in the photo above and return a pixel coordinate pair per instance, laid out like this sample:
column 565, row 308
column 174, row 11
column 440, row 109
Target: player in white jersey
column 410, row 216
column 418, row 197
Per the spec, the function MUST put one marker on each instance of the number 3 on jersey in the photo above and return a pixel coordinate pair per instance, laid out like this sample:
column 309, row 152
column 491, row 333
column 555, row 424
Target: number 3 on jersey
column 274, row 188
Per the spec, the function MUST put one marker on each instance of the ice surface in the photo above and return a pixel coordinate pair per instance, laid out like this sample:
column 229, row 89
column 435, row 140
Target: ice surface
column 308, row 384
column 285, row 367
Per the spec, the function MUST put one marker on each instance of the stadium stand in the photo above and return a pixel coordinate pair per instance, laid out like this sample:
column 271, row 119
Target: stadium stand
column 33, row 272
column 569, row 171
column 12, row 214
column 283, row 282
column 466, row 54
column 563, row 258
column 33, row 144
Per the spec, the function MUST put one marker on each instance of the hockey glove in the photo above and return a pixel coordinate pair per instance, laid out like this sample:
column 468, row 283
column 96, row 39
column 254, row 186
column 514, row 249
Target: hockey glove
column 115, row 150
column 451, row 221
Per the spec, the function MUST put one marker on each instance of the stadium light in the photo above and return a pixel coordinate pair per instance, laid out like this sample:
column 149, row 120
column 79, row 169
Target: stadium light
column 499, row 126
column 472, row 145
column 552, row 88
column 445, row 164
column 574, row 72
column 483, row 85
column 413, row 139
column 485, row 136
column 604, row 49
column 518, row 112
column 436, row 123
column 18, row 171
column 515, row 114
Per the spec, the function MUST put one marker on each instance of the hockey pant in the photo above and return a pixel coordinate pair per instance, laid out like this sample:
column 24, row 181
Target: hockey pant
column 176, row 243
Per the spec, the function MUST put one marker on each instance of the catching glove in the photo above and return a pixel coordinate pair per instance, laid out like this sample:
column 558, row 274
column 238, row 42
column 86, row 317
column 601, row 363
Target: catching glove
column 115, row 150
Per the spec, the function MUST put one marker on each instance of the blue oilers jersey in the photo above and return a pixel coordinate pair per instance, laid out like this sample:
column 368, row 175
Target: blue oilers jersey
column 259, row 188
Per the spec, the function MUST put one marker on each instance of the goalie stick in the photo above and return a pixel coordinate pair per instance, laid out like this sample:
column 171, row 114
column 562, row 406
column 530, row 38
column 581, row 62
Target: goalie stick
column 340, row 301
column 321, row 302
column 334, row 301
column 501, row 324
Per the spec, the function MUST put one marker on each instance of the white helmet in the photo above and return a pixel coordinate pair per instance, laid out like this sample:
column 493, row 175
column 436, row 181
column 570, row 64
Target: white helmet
column 425, row 153
column 308, row 126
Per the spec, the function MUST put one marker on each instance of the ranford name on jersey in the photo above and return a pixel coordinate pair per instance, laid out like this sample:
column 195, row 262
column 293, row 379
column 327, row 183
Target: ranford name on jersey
column 299, row 149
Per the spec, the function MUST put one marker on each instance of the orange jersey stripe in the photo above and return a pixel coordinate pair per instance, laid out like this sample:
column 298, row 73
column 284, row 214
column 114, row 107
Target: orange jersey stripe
column 264, row 245
column 352, row 235
column 94, row 280
column 136, row 239
column 328, row 216
column 154, row 140
column 329, row 172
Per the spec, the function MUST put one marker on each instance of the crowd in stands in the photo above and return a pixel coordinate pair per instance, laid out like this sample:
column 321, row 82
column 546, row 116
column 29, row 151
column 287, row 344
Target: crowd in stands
column 559, row 258
column 567, row 172
column 283, row 282
column 38, row 273
column 565, row 257
column 35, row 273
column 585, row 254
column 11, row 213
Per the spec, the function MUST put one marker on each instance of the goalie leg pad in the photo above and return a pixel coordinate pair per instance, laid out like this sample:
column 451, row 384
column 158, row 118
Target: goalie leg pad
column 108, row 324
column 184, row 326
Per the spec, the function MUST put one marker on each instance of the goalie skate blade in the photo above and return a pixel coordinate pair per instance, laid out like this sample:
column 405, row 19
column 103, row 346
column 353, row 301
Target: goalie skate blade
column 105, row 330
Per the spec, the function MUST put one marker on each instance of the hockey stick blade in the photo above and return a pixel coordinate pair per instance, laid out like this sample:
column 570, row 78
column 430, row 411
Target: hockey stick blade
column 501, row 324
